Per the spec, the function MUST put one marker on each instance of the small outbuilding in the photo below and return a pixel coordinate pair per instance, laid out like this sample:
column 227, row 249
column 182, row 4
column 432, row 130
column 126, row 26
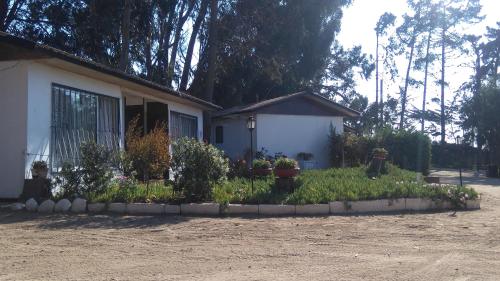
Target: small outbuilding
column 289, row 125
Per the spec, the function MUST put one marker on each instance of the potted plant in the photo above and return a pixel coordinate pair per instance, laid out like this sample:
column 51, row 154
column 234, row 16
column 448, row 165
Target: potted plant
column 39, row 169
column 261, row 167
column 379, row 153
column 286, row 168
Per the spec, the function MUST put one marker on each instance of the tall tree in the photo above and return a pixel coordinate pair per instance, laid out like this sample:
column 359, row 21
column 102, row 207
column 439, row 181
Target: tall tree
column 125, row 30
column 184, row 13
column 454, row 14
column 9, row 10
column 427, row 58
column 212, row 51
column 491, row 50
column 386, row 20
column 192, row 40
column 407, row 33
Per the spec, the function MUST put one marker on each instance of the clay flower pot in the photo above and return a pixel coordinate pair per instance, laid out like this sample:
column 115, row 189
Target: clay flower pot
column 286, row 173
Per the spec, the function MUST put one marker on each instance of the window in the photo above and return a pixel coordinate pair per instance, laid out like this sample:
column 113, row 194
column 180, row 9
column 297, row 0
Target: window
column 219, row 134
column 79, row 116
column 183, row 125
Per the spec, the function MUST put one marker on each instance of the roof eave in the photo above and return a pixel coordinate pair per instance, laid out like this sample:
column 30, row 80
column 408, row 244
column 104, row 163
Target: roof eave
column 47, row 52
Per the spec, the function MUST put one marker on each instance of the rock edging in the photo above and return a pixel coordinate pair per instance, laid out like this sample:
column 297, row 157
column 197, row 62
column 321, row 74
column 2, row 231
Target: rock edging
column 215, row 209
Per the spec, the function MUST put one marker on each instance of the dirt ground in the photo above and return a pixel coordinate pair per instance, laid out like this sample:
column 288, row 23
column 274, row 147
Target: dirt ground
column 432, row 246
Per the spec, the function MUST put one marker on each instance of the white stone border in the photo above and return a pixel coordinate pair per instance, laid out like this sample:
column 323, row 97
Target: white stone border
column 214, row 209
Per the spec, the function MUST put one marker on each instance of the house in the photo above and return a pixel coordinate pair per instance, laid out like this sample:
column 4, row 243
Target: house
column 286, row 125
column 51, row 101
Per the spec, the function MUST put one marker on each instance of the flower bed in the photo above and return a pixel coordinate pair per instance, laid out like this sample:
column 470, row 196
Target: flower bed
column 343, row 184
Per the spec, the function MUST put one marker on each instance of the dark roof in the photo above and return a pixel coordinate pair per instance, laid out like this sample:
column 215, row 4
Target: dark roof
column 45, row 51
column 345, row 111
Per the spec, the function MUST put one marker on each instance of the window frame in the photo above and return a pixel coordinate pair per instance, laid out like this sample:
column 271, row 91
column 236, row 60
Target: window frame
column 172, row 130
column 96, row 111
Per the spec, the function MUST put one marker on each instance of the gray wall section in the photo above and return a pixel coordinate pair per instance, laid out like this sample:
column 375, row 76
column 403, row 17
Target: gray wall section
column 236, row 142
column 13, row 123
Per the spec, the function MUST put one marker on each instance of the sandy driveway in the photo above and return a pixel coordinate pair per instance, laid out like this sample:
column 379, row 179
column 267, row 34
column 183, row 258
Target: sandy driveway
column 386, row 247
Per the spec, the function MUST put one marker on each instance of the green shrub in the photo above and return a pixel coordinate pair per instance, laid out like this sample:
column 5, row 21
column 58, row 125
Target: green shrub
column 95, row 166
column 285, row 163
column 261, row 164
column 197, row 167
column 237, row 169
column 148, row 153
column 92, row 175
column 408, row 150
column 39, row 165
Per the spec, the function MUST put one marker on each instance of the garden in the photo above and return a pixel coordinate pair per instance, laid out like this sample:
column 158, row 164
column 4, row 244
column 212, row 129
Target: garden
column 194, row 172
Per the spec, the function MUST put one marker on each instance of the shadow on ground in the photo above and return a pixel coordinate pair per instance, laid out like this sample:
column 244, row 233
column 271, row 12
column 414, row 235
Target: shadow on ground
column 105, row 221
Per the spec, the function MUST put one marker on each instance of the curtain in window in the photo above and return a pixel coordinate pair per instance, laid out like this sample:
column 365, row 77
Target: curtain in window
column 108, row 123
column 183, row 125
column 77, row 117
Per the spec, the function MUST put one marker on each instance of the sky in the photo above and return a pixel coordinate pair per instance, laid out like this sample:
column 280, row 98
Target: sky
column 357, row 29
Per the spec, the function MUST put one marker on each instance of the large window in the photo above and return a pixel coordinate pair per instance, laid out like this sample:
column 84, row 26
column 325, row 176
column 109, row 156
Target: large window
column 183, row 125
column 79, row 116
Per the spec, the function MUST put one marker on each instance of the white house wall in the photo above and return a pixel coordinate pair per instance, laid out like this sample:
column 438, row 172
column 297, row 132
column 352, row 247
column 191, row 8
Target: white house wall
column 291, row 134
column 13, row 108
column 40, row 79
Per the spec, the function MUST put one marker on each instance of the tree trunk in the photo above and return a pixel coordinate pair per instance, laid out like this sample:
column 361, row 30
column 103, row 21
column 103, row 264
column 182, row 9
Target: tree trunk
column 163, row 51
column 443, row 60
column 407, row 80
column 192, row 41
column 376, row 80
column 97, row 48
column 212, row 51
column 6, row 16
column 125, row 28
column 381, row 103
column 212, row 54
column 424, row 98
column 4, row 7
column 148, row 43
column 177, row 37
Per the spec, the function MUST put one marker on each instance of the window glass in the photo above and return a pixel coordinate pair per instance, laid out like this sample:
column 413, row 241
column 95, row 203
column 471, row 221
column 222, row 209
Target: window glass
column 219, row 134
column 79, row 116
column 183, row 125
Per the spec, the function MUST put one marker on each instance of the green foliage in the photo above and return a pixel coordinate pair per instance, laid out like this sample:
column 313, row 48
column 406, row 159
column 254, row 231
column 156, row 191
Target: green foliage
column 451, row 155
column 39, row 165
column 148, row 153
column 128, row 190
column 337, row 184
column 95, row 166
column 238, row 169
column 285, row 163
column 480, row 114
column 409, row 150
column 198, row 167
column 379, row 151
column 68, row 180
column 93, row 174
column 261, row 164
